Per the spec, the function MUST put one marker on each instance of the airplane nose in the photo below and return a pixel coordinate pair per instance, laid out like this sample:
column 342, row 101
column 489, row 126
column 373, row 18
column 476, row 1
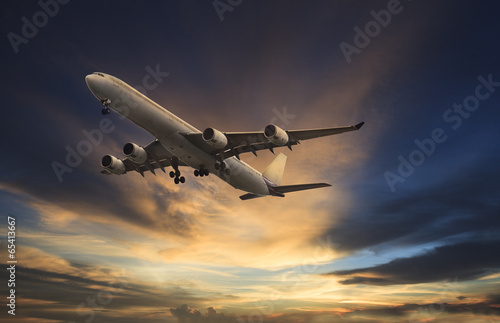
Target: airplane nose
column 88, row 79
column 98, row 83
column 92, row 81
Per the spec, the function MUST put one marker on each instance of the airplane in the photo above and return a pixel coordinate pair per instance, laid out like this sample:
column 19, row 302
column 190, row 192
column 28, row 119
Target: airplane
column 179, row 144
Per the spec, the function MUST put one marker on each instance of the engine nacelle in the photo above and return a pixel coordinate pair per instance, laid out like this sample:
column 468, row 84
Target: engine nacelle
column 276, row 135
column 214, row 138
column 113, row 165
column 135, row 153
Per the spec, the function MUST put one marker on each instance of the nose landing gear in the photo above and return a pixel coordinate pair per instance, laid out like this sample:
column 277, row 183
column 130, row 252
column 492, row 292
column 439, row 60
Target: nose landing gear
column 105, row 103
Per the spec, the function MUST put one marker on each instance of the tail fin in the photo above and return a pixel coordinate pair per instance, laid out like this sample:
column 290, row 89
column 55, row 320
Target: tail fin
column 274, row 172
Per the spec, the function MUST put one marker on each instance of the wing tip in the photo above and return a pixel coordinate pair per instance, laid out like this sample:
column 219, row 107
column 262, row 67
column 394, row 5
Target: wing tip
column 359, row 125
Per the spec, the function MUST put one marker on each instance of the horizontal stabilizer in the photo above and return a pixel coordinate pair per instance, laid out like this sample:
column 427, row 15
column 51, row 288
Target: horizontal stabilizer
column 281, row 190
column 250, row 196
column 300, row 187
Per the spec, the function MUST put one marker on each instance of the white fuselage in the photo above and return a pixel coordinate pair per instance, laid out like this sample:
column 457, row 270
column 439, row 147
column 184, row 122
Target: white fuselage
column 167, row 128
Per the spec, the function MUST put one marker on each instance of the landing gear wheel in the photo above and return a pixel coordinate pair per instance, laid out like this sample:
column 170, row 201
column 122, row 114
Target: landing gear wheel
column 196, row 173
column 206, row 172
column 105, row 111
column 176, row 180
column 177, row 173
column 172, row 174
column 182, row 179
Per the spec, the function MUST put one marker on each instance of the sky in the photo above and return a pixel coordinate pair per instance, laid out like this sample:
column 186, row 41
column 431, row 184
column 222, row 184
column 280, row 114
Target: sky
column 408, row 232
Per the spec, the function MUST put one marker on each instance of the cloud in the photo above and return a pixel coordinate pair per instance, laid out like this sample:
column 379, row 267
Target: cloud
column 169, row 216
column 185, row 314
column 464, row 261
column 231, row 76
column 153, row 206
column 464, row 203
column 88, row 292
column 437, row 312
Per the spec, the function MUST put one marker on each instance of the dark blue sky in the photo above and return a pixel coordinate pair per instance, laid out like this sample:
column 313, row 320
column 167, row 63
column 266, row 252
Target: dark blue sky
column 234, row 74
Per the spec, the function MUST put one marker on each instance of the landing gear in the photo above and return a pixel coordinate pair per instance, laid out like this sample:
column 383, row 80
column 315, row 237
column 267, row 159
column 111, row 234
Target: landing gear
column 178, row 180
column 176, row 174
column 105, row 103
column 201, row 172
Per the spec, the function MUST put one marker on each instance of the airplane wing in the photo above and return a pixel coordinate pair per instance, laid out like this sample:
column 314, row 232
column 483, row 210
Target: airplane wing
column 158, row 157
column 243, row 142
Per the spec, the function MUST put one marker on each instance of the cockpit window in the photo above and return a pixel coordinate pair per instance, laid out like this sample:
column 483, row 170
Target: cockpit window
column 100, row 74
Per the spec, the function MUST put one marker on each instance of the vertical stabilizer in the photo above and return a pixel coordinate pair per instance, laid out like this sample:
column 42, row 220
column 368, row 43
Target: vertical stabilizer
column 274, row 172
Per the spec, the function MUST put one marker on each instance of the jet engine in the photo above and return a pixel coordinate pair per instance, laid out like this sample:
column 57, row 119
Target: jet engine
column 113, row 165
column 276, row 135
column 135, row 153
column 214, row 138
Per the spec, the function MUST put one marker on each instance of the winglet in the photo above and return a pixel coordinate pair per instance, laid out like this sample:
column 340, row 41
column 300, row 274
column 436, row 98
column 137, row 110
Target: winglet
column 359, row 125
